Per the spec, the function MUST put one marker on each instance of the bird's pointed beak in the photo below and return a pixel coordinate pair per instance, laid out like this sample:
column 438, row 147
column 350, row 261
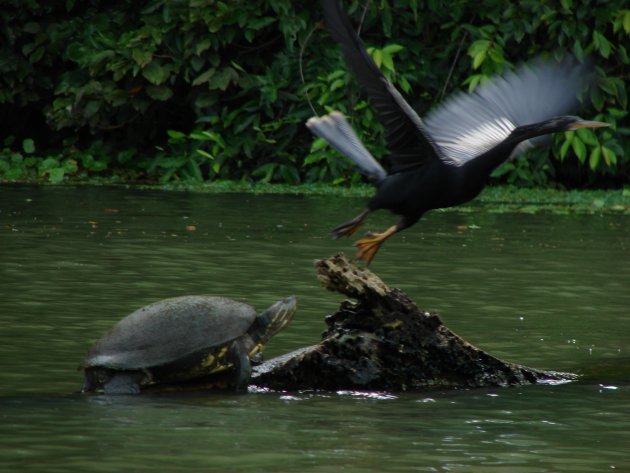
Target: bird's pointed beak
column 588, row 124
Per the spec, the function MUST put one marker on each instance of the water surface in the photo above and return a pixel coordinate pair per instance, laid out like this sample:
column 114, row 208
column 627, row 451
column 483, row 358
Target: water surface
column 544, row 290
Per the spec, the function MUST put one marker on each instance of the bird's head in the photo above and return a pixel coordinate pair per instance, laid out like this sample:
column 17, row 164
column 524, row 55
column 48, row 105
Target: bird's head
column 554, row 125
column 571, row 123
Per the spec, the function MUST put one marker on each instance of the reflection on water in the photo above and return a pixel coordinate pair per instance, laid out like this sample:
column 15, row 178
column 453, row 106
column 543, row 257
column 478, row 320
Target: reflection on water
column 542, row 290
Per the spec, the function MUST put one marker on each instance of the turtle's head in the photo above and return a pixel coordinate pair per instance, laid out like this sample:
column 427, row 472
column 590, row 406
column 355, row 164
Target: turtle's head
column 274, row 319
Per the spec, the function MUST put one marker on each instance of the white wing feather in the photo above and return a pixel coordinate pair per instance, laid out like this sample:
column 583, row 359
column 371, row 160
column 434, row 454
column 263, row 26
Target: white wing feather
column 467, row 125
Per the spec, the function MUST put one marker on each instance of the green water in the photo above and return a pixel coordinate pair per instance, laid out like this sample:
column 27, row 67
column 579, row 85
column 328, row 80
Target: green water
column 544, row 290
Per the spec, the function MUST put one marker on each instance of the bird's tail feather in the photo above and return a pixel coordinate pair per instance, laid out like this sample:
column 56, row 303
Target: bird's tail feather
column 336, row 130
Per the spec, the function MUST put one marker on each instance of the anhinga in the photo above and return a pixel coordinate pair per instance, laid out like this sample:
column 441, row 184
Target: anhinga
column 445, row 159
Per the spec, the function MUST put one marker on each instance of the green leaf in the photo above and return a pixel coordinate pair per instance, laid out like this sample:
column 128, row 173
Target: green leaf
column 242, row 125
column 617, row 113
column 49, row 163
column 37, row 54
column 222, row 79
column 155, row 73
column 70, row 166
column 478, row 46
column 74, row 52
column 404, row 84
column 337, row 84
column 608, row 85
column 597, row 98
column 505, row 168
column 141, row 56
column 593, row 160
column 266, row 170
column 204, row 77
column 176, row 135
column 388, row 62
column 622, row 20
column 202, row 45
column 587, row 136
column 313, row 158
column 261, row 22
column 479, row 59
column 205, row 154
column 91, row 108
column 197, row 63
column 579, row 149
column 377, row 56
column 496, row 53
column 566, row 4
column 610, row 157
column 28, row 145
column 336, row 74
column 237, row 66
column 601, row 43
column 578, row 50
column 56, row 175
column 318, row 143
column 106, row 56
column 216, row 137
column 201, row 136
column 393, row 48
column 160, row 92
column 473, row 81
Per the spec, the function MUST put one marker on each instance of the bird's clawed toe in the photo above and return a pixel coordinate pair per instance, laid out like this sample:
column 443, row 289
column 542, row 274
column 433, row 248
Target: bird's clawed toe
column 349, row 228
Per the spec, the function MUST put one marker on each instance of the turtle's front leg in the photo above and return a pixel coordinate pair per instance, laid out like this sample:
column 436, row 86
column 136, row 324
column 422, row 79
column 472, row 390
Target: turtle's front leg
column 125, row 382
column 242, row 365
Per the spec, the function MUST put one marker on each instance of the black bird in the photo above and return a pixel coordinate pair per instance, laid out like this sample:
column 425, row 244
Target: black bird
column 445, row 159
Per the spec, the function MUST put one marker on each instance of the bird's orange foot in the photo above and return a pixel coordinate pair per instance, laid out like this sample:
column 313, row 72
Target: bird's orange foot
column 369, row 246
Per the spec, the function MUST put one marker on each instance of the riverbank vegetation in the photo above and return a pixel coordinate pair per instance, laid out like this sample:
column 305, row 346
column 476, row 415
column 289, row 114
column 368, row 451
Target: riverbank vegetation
column 499, row 198
column 202, row 90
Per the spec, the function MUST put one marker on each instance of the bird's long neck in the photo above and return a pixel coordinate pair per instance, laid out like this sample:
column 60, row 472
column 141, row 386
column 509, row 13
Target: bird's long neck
column 491, row 159
column 479, row 168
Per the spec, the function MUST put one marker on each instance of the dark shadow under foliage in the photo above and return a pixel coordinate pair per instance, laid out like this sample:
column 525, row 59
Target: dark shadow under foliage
column 202, row 89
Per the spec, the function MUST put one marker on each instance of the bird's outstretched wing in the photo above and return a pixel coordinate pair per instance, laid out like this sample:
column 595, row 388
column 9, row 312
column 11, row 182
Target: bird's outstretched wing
column 335, row 129
column 407, row 141
column 467, row 125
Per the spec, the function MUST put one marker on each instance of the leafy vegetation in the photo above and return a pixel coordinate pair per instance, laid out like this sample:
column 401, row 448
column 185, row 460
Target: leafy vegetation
column 204, row 90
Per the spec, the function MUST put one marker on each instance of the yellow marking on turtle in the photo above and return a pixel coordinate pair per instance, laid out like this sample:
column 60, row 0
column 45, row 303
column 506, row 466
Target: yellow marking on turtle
column 203, row 367
column 207, row 361
column 256, row 349
column 219, row 357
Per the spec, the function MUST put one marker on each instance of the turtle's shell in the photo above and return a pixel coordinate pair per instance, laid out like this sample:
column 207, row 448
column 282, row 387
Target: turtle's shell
column 170, row 330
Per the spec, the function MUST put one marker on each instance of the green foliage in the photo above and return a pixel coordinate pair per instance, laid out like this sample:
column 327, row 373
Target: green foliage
column 582, row 29
column 99, row 88
column 24, row 165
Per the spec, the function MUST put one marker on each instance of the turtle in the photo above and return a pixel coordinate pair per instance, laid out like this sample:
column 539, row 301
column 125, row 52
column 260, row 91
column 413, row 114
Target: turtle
column 180, row 339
